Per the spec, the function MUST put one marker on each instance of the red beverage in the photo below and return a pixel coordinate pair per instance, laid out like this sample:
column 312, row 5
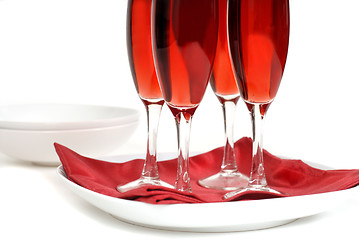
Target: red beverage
column 223, row 80
column 185, row 46
column 259, row 37
column 139, row 45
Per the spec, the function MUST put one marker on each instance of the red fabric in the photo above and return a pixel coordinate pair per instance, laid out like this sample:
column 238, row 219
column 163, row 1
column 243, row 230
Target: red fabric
column 291, row 177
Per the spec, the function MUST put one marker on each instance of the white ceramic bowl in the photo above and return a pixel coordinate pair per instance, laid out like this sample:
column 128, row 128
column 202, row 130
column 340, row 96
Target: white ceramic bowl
column 63, row 116
column 90, row 130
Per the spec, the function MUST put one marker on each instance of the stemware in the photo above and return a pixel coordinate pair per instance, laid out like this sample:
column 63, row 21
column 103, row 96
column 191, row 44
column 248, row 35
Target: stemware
column 139, row 45
column 184, row 44
column 259, row 38
column 224, row 85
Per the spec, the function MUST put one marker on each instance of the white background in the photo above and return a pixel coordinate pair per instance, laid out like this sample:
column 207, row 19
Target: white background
column 74, row 51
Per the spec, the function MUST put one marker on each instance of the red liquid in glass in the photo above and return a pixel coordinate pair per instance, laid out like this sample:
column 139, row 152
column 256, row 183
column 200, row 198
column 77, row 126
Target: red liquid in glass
column 185, row 45
column 223, row 80
column 259, row 36
column 139, row 45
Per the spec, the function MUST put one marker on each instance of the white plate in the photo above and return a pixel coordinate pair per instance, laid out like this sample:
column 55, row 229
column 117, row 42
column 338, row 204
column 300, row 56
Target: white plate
column 212, row 217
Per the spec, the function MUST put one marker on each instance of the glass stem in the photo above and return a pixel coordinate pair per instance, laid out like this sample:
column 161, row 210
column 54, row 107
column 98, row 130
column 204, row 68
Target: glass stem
column 229, row 164
column 183, row 123
column 257, row 178
column 150, row 170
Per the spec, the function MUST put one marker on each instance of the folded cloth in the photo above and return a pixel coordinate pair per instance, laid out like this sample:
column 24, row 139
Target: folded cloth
column 290, row 177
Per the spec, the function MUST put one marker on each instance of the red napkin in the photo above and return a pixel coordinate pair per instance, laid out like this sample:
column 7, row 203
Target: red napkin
column 290, row 177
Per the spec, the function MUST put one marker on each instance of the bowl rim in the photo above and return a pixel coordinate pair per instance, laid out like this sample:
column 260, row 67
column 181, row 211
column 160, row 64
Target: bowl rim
column 132, row 115
column 32, row 131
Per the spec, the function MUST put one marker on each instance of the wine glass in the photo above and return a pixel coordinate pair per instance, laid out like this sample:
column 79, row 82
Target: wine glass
column 184, row 44
column 139, row 45
column 224, row 85
column 259, row 38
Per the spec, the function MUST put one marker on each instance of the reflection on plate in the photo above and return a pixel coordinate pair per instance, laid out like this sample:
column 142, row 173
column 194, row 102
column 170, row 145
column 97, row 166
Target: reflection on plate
column 212, row 217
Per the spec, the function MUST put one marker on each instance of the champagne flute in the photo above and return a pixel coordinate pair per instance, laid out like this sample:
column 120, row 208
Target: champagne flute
column 139, row 45
column 184, row 44
column 259, row 38
column 224, row 85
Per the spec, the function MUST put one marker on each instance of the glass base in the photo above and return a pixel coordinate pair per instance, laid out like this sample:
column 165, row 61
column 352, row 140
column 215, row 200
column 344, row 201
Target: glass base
column 261, row 188
column 142, row 182
column 225, row 181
